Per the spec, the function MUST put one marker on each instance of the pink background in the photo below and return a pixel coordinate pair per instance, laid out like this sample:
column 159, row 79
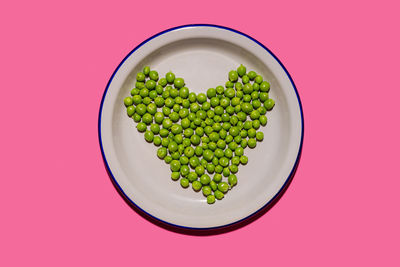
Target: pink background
column 58, row 206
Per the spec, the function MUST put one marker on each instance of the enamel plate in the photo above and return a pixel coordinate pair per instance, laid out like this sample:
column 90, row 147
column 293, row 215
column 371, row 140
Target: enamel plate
column 203, row 55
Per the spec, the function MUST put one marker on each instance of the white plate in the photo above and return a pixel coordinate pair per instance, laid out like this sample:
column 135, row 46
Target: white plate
column 203, row 55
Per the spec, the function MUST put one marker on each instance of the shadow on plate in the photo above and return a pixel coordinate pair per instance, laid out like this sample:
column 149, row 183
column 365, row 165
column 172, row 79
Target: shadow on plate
column 209, row 231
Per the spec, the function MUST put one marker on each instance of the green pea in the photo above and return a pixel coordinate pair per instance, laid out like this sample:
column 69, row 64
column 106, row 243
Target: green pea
column 165, row 94
column 252, row 75
column 159, row 89
column 218, row 168
column 251, row 133
column 232, row 145
column 247, row 108
column 174, row 116
column 239, row 151
column 208, row 155
column 256, row 104
column 163, row 82
column 192, row 176
column 228, row 153
column 260, row 136
column 186, row 142
column 243, row 133
column 161, row 152
column 173, row 92
column 230, row 93
column 213, row 185
column 263, row 120
column 153, row 94
column 233, row 76
column 169, row 102
column 210, row 199
column 185, row 123
column 237, row 140
column 148, row 136
column 184, row 92
column 217, row 127
column 205, row 179
column 225, row 126
column 265, row 86
column 269, row 104
column 170, row 77
column 212, row 146
column 147, row 100
column 157, row 141
column 206, row 106
column 164, row 132
column 194, row 162
column 195, row 139
column 140, row 77
column 130, row 110
column 176, row 129
column 128, row 101
column 211, row 92
column 241, row 116
column 179, row 83
column 179, row 139
column 139, row 85
column 254, row 115
column 263, row 96
column 141, row 127
column 150, row 84
column 185, row 170
column 235, row 160
column 196, row 185
column 245, row 79
column 206, row 190
column 233, row 168
column 172, row 147
column 262, row 110
column 243, row 160
column 256, row 87
column 134, row 91
column 166, row 111
column 232, row 180
column 218, row 195
column 192, row 97
column 168, row 159
column 224, row 102
column 141, row 109
column 258, row 79
column 256, row 124
column 241, row 70
column 175, row 165
column 185, row 103
column 146, row 70
column 155, row 128
column 188, row 132
column 221, row 144
column 165, row 142
column 214, row 101
column 167, row 123
column 210, row 168
column 224, row 162
column 189, row 152
column 175, row 175
column 201, row 98
column 153, row 75
column 223, row 187
column 199, row 170
column 243, row 144
column 184, row 183
column 247, row 88
column 219, row 153
column 220, row 89
column 217, row 118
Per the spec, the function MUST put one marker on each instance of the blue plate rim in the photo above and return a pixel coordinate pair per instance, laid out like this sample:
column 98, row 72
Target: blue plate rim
column 287, row 179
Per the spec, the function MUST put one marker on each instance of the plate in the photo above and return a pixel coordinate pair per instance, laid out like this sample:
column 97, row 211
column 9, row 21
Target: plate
column 203, row 55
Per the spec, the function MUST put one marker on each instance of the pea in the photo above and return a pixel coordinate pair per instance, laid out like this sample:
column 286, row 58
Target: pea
column 174, row 116
column 153, row 94
column 237, row 139
column 184, row 183
column 173, row 92
column 128, row 101
column 232, row 145
column 218, row 195
column 262, row 110
column 233, row 168
column 247, row 88
column 243, row 133
column 130, row 110
column 168, row 159
column 141, row 127
column 199, row 170
column 221, row 144
column 210, row 199
column 185, row 170
column 162, row 152
column 243, row 160
column 239, row 151
column 175, row 165
column 245, row 79
column 146, row 100
column 192, row 97
column 256, row 87
column 150, row 84
column 179, row 83
column 263, row 120
column 134, row 91
column 164, row 132
column 235, row 160
column 192, row 176
column 218, row 169
column 213, row 186
column 251, row 133
column 217, row 178
column 175, row 175
column 185, row 123
column 196, row 185
column 241, row 116
column 265, row 86
column 269, row 104
column 228, row 153
column 172, row 147
column 186, row 142
column 155, row 128
column 256, row 104
column 166, row 111
column 206, row 190
column 212, row 146
column 194, row 162
column 148, row 136
column 139, row 85
column 157, row 141
column 195, row 139
column 201, row 98
column 258, row 79
column 153, row 75
column 232, row 180
column 243, row 144
column 159, row 89
column 254, row 115
column 179, row 139
column 241, row 70
column 233, row 76
column 260, row 136
column 189, row 152
column 256, row 124
column 170, row 77
column 205, row 179
column 210, row 168
column 252, row 75
column 214, row 101
column 224, row 161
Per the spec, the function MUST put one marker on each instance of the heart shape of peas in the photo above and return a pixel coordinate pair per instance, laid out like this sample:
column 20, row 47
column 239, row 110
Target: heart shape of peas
column 201, row 134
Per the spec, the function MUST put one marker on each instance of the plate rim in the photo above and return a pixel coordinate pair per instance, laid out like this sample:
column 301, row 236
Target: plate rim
column 272, row 200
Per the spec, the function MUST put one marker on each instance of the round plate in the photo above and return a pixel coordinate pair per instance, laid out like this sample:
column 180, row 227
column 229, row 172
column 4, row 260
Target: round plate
column 203, row 55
